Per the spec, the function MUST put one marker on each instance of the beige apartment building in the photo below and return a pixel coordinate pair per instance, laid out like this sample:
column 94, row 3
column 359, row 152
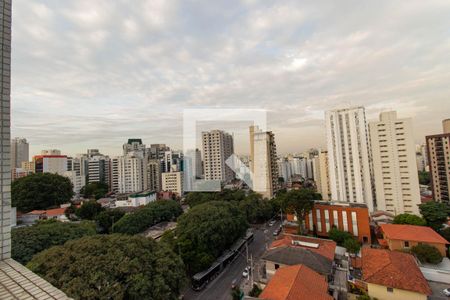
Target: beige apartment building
column 438, row 148
column 173, row 182
column 321, row 175
column 217, row 148
column 263, row 162
column 394, row 164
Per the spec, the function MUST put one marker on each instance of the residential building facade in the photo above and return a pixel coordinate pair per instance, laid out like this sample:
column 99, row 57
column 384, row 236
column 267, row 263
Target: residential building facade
column 19, row 152
column 438, row 148
column 173, row 182
column 394, row 164
column 128, row 173
column 264, row 162
column 50, row 163
column 321, row 175
column 217, row 148
column 349, row 156
column 154, row 175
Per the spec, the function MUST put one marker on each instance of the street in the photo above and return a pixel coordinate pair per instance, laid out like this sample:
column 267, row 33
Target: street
column 220, row 288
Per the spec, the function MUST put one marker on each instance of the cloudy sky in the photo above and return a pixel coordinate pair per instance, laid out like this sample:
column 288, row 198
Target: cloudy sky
column 90, row 74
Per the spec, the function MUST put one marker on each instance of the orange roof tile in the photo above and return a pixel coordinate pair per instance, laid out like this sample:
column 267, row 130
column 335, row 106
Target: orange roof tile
column 296, row 283
column 55, row 212
column 412, row 233
column 326, row 248
column 393, row 269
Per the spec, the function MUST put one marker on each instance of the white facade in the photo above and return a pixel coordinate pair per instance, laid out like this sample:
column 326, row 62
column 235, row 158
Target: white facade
column 128, row 173
column 173, row 182
column 99, row 169
column 394, row 164
column 349, row 156
column 56, row 164
column 265, row 169
column 19, row 152
column 217, row 147
column 137, row 200
column 77, row 180
column 321, row 175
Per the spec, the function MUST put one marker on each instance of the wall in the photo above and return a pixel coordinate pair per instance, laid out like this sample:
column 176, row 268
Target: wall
column 380, row 292
column 399, row 245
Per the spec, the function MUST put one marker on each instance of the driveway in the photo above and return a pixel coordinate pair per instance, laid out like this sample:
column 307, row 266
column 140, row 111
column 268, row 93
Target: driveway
column 437, row 288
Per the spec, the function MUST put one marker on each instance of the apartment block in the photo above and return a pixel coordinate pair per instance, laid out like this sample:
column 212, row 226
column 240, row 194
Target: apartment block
column 173, row 182
column 154, row 175
column 217, row 148
column 321, row 175
column 128, row 173
column 349, row 156
column 264, row 162
column 19, row 152
column 394, row 164
column 438, row 149
column 50, row 163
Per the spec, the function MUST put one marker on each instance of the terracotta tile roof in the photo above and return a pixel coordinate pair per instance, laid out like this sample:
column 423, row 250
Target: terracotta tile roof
column 326, row 248
column 383, row 243
column 49, row 212
column 296, row 283
column 393, row 269
column 412, row 233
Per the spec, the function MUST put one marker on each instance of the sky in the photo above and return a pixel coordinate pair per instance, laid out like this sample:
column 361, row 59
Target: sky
column 91, row 74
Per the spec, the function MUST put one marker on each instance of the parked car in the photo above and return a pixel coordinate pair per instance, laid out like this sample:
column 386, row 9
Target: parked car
column 246, row 272
column 271, row 223
column 234, row 283
column 446, row 292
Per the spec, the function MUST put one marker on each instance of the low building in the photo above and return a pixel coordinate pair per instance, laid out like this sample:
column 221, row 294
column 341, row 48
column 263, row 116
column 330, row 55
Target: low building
column 136, row 200
column 173, row 182
column 296, row 283
column 350, row 217
column 49, row 214
column 289, row 250
column 404, row 237
column 380, row 217
column 393, row 275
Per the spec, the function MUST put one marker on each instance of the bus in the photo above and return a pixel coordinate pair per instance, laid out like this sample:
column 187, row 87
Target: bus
column 201, row 279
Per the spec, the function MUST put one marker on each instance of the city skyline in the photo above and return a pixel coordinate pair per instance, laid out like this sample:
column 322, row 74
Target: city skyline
column 102, row 72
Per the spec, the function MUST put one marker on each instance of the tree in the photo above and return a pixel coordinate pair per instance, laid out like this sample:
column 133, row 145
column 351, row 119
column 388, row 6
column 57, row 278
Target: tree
column 197, row 198
column 149, row 215
column 409, row 219
column 95, row 190
column 112, row 267
column 27, row 241
column 445, row 233
column 255, row 292
column 106, row 219
column 40, row 191
column 434, row 213
column 89, row 210
column 339, row 236
column 256, row 209
column 206, row 230
column 300, row 203
column 352, row 245
column 424, row 177
column 236, row 293
column 427, row 253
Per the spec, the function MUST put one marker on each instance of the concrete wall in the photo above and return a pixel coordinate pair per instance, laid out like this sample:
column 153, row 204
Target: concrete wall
column 399, row 245
column 381, row 293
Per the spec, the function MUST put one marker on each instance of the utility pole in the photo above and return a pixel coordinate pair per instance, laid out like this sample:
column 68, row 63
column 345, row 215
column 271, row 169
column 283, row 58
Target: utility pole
column 246, row 250
column 251, row 270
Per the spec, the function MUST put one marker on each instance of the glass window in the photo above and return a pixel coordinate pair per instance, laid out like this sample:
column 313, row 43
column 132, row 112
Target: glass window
column 354, row 224
column 335, row 218
column 319, row 220
column 311, row 222
column 327, row 220
column 344, row 220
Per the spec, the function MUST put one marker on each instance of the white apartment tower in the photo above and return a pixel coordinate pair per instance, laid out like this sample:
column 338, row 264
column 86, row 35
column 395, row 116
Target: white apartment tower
column 19, row 152
column 264, row 162
column 394, row 164
column 217, row 147
column 128, row 173
column 321, row 174
column 173, row 182
column 349, row 156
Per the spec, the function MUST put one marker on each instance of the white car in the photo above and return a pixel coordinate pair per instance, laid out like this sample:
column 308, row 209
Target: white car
column 245, row 273
column 271, row 223
column 446, row 292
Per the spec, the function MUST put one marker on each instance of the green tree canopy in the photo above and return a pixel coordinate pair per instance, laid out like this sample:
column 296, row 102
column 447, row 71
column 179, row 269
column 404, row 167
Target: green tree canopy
column 256, row 209
column 424, row 177
column 352, row 245
column 112, row 267
column 40, row 191
column 299, row 202
column 427, row 253
column 149, row 215
column 27, row 241
column 196, row 198
column 409, row 219
column 339, row 236
column 89, row 210
column 435, row 213
column 107, row 218
column 445, row 233
column 206, row 230
column 94, row 190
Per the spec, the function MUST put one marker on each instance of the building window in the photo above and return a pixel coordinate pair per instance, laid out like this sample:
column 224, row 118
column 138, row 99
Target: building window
column 354, row 224
column 277, row 266
column 319, row 220
column 327, row 220
column 311, row 222
column 390, row 290
column 344, row 220
column 406, row 244
column 335, row 219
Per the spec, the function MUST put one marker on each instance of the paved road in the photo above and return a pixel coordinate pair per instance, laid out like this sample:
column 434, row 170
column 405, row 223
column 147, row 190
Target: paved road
column 220, row 288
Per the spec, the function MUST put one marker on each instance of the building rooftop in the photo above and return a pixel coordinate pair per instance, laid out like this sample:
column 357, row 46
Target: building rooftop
column 412, row 233
column 393, row 269
column 17, row 282
column 326, row 248
column 296, row 283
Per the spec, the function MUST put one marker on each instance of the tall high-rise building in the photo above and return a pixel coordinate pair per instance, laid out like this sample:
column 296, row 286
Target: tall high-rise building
column 128, row 173
column 217, row 147
column 173, row 182
column 438, row 148
column 321, row 175
column 133, row 145
column 99, row 169
column 264, row 162
column 349, row 156
column 157, row 151
column 19, row 152
column 50, row 163
column 154, row 175
column 394, row 164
